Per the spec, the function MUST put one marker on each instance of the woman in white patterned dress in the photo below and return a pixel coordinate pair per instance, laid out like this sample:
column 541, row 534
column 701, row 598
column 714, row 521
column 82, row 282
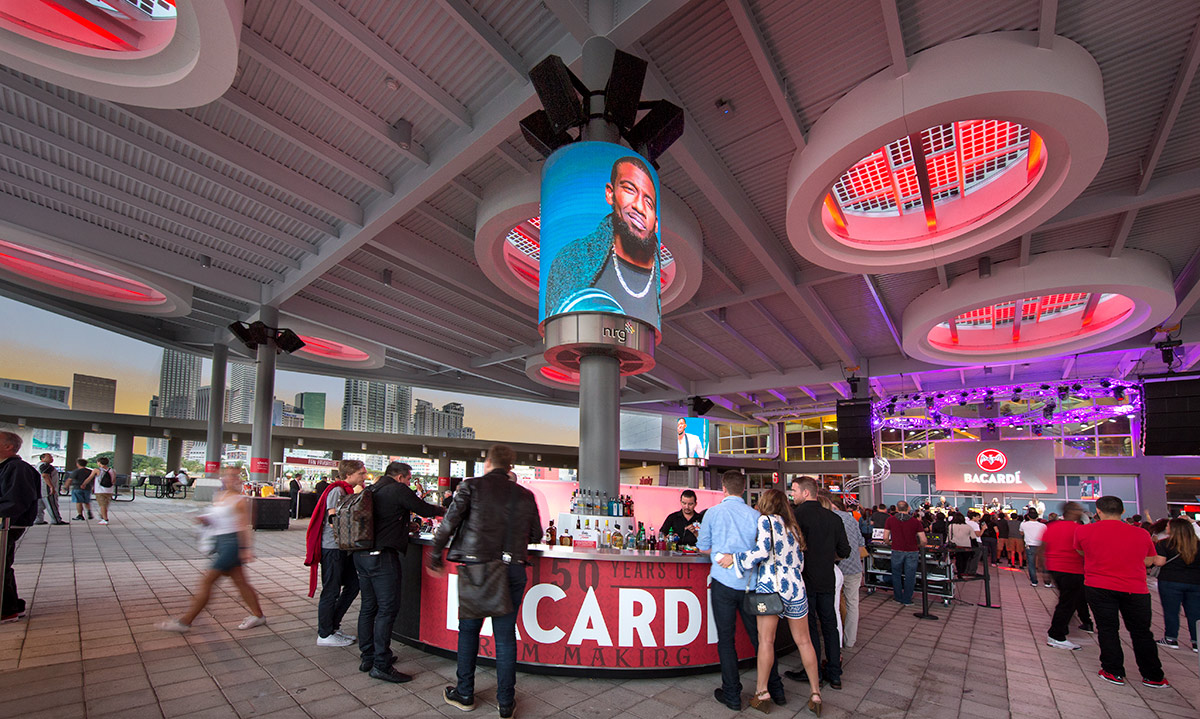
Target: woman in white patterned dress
column 778, row 557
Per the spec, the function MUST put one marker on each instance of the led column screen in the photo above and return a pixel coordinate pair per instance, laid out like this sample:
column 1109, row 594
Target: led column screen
column 600, row 238
column 693, row 441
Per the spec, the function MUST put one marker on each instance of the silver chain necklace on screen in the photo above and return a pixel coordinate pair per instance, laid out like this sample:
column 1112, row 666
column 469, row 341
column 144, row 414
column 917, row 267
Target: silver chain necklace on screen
column 621, row 278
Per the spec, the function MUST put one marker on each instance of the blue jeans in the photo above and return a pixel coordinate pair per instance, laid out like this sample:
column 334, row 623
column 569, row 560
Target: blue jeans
column 904, row 576
column 1176, row 594
column 504, row 632
column 339, row 587
column 379, row 580
column 1031, row 555
column 726, row 606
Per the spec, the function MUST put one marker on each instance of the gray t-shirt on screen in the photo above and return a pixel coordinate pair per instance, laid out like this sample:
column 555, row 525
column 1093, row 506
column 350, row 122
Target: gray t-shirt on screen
column 334, row 496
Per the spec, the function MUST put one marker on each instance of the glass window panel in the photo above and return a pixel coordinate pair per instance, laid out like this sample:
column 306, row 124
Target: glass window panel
column 1079, row 447
column 794, row 454
column 1076, row 429
column 1015, row 432
column 812, row 453
column 724, row 444
column 812, row 439
column 1114, row 425
column 889, row 434
column 937, row 435
column 911, row 435
column 829, row 452
column 1116, row 447
column 829, row 436
column 892, row 451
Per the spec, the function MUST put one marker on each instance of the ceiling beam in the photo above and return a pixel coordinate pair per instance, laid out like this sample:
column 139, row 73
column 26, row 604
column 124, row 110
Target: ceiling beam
column 719, row 320
column 842, row 388
column 222, row 148
column 779, row 396
column 895, row 37
column 515, row 159
column 136, row 226
column 892, row 325
column 768, row 69
column 943, row 278
column 468, row 188
column 1089, row 309
column 145, row 178
column 1127, row 362
column 1190, row 358
column 686, row 361
column 1183, row 81
column 485, row 35
column 1122, row 234
column 715, row 267
column 516, row 353
column 24, row 216
column 696, row 156
column 1047, row 20
column 1178, row 186
column 1026, row 247
column 1187, row 291
column 807, row 391
column 129, row 137
column 404, row 343
column 353, row 31
column 446, row 222
column 1018, row 320
column 785, row 333
column 319, row 89
column 414, row 254
column 1068, row 366
column 268, row 120
column 680, row 332
column 162, row 213
column 668, row 377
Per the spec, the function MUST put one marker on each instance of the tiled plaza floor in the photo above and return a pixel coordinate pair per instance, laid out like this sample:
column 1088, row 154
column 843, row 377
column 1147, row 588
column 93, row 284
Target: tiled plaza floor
column 89, row 649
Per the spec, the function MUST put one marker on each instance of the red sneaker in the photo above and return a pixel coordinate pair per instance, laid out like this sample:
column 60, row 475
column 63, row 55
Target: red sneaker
column 1112, row 678
column 1160, row 684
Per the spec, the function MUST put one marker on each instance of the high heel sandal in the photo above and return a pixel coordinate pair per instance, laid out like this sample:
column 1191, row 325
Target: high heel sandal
column 761, row 702
column 815, row 706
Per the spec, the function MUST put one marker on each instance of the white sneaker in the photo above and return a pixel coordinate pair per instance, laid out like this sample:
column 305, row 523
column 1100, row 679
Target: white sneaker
column 252, row 621
column 344, row 635
column 173, row 625
column 334, row 640
column 102, row 521
column 1064, row 644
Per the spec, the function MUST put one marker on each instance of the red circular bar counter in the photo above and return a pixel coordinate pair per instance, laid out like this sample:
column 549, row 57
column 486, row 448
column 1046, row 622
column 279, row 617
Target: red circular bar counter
column 586, row 611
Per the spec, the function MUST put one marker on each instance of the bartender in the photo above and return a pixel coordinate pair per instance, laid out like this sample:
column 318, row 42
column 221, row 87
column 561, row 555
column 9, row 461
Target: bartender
column 994, row 505
column 685, row 522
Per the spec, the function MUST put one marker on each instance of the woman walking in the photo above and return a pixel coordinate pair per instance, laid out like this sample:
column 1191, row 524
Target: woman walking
column 960, row 538
column 778, row 555
column 227, row 522
column 1179, row 581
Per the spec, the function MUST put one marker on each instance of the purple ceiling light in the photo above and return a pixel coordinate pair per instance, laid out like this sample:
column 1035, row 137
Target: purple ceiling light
column 1018, row 405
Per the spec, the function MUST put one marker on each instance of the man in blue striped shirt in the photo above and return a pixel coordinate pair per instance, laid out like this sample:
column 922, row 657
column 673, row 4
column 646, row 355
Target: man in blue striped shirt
column 728, row 528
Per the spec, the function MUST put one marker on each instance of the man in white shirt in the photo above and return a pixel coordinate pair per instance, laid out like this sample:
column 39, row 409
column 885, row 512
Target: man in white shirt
column 1032, row 531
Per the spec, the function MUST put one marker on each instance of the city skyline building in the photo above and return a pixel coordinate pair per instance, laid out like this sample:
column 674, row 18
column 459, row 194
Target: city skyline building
column 284, row 414
column 240, row 400
column 34, row 393
column 444, row 422
column 178, row 384
column 312, row 405
column 372, row 406
column 93, row 394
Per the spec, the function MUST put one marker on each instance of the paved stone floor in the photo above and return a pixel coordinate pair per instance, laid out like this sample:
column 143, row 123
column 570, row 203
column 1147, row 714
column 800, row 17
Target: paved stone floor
column 88, row 648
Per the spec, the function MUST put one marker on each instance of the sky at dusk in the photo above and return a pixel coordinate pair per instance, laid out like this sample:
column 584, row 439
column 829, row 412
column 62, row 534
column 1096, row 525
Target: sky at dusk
column 44, row 347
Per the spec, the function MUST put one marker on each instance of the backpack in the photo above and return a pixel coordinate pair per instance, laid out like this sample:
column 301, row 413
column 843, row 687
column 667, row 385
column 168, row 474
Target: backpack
column 354, row 522
column 864, row 525
column 106, row 479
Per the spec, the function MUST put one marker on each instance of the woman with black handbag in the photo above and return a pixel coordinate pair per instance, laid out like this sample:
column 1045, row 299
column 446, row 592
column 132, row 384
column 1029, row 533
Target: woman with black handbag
column 778, row 555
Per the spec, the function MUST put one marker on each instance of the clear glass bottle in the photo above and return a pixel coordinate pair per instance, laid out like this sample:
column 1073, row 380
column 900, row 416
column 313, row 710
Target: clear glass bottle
column 618, row 540
column 631, row 538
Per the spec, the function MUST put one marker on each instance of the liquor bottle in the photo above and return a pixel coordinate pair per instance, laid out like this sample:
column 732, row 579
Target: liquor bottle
column 577, row 527
column 671, row 543
column 603, row 535
column 652, row 539
column 551, row 535
column 628, row 506
column 574, row 501
column 617, row 541
column 631, row 538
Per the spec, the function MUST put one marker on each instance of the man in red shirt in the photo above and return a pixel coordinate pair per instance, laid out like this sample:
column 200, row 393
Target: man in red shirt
column 1066, row 568
column 1115, row 557
column 906, row 535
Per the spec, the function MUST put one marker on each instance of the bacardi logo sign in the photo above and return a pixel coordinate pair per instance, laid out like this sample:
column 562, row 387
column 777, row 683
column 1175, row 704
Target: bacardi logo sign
column 991, row 460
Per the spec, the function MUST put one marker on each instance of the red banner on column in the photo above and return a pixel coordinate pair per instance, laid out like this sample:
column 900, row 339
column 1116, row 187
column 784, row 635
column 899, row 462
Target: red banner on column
column 260, row 465
column 212, row 467
column 443, row 483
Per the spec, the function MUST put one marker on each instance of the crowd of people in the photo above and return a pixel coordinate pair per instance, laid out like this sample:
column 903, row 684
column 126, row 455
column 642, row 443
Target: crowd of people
column 798, row 561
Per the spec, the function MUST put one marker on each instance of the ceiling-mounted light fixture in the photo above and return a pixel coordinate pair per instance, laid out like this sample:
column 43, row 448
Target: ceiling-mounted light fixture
column 299, row 441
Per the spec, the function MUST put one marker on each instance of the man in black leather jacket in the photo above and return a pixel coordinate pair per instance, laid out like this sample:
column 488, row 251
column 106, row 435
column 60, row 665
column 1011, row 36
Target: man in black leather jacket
column 484, row 513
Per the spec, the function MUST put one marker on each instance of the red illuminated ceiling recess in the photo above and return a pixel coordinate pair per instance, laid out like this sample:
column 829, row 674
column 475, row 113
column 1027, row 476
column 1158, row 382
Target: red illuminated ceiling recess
column 962, row 173
column 555, row 374
column 61, row 272
column 111, row 26
column 330, row 349
column 522, row 250
column 1043, row 320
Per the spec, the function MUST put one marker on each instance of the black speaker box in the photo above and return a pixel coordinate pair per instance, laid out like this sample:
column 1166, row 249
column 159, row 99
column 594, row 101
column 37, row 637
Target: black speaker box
column 1172, row 418
column 856, row 439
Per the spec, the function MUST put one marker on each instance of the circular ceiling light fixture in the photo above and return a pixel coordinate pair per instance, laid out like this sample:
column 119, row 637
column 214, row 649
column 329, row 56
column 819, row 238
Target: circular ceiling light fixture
column 1040, row 309
column 508, row 241
column 542, row 372
column 332, row 347
column 149, row 53
column 983, row 139
column 60, row 271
